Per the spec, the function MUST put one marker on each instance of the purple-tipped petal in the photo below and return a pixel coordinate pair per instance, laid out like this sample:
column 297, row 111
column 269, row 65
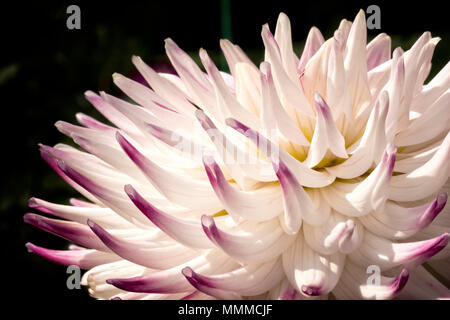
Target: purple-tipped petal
column 387, row 254
column 68, row 230
column 84, row 258
column 254, row 248
column 187, row 232
column 144, row 252
column 204, row 286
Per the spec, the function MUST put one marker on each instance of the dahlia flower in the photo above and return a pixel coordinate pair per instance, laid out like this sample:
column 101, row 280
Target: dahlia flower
column 292, row 180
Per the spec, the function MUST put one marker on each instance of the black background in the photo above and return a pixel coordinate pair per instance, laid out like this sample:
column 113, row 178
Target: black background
column 45, row 68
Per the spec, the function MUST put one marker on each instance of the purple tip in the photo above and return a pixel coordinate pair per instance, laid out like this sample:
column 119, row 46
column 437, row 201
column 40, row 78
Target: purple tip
column 210, row 228
column 400, row 281
column 32, row 203
column 91, row 224
column 187, row 272
column 433, row 210
column 30, row 247
column 312, row 291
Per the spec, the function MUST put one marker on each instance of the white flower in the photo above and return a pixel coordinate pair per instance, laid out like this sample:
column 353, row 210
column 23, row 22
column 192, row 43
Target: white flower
column 294, row 180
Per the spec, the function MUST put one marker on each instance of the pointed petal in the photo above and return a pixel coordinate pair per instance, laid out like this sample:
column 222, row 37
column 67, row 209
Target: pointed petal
column 164, row 88
column 313, row 42
column 234, row 55
column 80, row 214
column 198, row 283
column 68, row 230
column 291, row 95
column 274, row 111
column 326, row 135
column 84, row 258
column 378, row 51
column 284, row 41
column 226, row 102
column 194, row 79
column 356, row 65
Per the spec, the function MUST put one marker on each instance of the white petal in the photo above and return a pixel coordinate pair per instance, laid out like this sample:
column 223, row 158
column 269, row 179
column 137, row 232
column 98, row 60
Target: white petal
column 425, row 180
column 311, row 273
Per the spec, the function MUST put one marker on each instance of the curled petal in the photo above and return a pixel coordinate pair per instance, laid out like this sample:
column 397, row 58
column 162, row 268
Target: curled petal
column 249, row 248
column 336, row 234
column 257, row 205
column 246, row 281
column 371, row 145
column 154, row 256
column 387, row 254
column 176, row 188
column 200, row 284
column 309, row 272
column 305, row 176
column 358, row 199
column 172, row 280
column 112, row 198
column 298, row 205
column 187, row 232
column 398, row 222
column 424, row 286
column 356, row 283
column 425, row 180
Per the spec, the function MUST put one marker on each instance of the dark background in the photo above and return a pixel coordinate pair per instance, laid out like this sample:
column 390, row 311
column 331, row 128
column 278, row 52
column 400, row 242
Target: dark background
column 45, row 69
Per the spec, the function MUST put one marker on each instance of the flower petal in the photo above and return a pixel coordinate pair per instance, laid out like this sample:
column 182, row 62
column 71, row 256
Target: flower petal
column 83, row 258
column 425, row 180
column 145, row 253
column 187, row 232
column 245, row 281
column 387, row 254
column 309, row 272
column 249, row 248
column 398, row 222
column 355, row 283
column 326, row 135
